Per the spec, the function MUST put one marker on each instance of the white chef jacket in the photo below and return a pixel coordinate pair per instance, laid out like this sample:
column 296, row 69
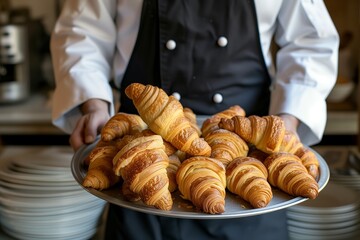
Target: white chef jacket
column 93, row 40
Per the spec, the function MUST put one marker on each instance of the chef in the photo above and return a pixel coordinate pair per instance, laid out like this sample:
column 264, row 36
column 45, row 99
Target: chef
column 210, row 55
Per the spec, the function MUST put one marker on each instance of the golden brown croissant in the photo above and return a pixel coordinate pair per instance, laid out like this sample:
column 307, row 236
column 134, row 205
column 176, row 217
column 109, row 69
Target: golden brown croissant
column 226, row 145
column 121, row 124
column 266, row 133
column 310, row 161
column 118, row 143
column 100, row 174
column 169, row 149
column 165, row 116
column 292, row 144
column 211, row 123
column 121, row 142
column 287, row 173
column 202, row 181
column 247, row 177
column 174, row 163
column 142, row 165
column 191, row 116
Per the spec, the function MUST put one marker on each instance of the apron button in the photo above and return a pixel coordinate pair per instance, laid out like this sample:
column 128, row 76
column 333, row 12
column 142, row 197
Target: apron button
column 176, row 95
column 217, row 98
column 171, row 44
column 222, row 41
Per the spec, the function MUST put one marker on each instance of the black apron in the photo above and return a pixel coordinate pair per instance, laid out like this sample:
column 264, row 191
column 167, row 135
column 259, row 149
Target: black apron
column 198, row 67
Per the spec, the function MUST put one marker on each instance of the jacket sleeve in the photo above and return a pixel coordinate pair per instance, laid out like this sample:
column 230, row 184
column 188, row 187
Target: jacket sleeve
column 82, row 47
column 306, row 65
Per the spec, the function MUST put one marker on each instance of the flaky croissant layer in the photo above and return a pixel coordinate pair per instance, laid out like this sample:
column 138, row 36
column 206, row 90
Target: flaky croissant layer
column 266, row 132
column 247, row 177
column 165, row 116
column 122, row 124
column 211, row 123
column 226, row 145
column 202, row 181
column 287, row 173
column 142, row 164
column 100, row 174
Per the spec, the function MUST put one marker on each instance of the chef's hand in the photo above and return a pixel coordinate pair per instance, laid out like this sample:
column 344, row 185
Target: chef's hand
column 291, row 122
column 95, row 115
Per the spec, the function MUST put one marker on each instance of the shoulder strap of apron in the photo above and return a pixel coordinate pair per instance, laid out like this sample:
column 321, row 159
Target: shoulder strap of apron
column 144, row 61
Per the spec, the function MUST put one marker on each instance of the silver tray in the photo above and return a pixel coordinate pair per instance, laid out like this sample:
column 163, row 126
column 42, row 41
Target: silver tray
column 235, row 207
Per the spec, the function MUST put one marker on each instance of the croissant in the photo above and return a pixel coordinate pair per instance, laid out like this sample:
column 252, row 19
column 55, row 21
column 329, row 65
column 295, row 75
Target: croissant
column 292, row 144
column 169, row 149
column 92, row 154
column 121, row 124
column 211, row 123
column 174, row 163
column 247, row 177
column 191, row 116
column 100, row 174
column 310, row 161
column 226, row 145
column 287, row 173
column 142, row 165
column 266, row 133
column 165, row 116
column 202, row 181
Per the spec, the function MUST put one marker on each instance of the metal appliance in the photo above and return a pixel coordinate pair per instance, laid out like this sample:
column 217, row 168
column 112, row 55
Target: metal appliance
column 14, row 63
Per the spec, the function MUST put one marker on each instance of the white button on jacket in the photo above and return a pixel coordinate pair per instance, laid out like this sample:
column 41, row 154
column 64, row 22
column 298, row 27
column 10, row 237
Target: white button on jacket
column 171, row 44
column 218, row 98
column 177, row 95
column 222, row 42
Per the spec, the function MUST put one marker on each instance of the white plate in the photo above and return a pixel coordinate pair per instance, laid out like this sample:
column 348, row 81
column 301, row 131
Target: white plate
column 302, row 236
column 334, row 198
column 36, row 194
column 44, row 188
column 16, row 168
column 41, row 204
column 36, row 180
column 7, row 174
column 323, row 218
column 49, row 159
column 81, row 236
column 323, row 225
column 235, row 206
column 69, row 220
column 44, row 212
column 327, row 232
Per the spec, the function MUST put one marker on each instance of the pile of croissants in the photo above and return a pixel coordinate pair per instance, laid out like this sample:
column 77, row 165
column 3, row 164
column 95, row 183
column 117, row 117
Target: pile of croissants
column 161, row 150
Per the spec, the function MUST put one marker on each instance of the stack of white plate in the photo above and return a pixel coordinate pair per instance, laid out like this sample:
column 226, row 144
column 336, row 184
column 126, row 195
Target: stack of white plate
column 349, row 173
column 344, row 164
column 351, row 181
column 39, row 198
column 334, row 214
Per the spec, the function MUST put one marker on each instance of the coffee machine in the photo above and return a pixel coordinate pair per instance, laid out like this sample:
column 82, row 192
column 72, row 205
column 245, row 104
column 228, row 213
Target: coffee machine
column 14, row 63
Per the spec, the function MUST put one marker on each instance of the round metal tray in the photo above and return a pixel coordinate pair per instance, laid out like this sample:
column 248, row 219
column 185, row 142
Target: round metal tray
column 235, row 207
